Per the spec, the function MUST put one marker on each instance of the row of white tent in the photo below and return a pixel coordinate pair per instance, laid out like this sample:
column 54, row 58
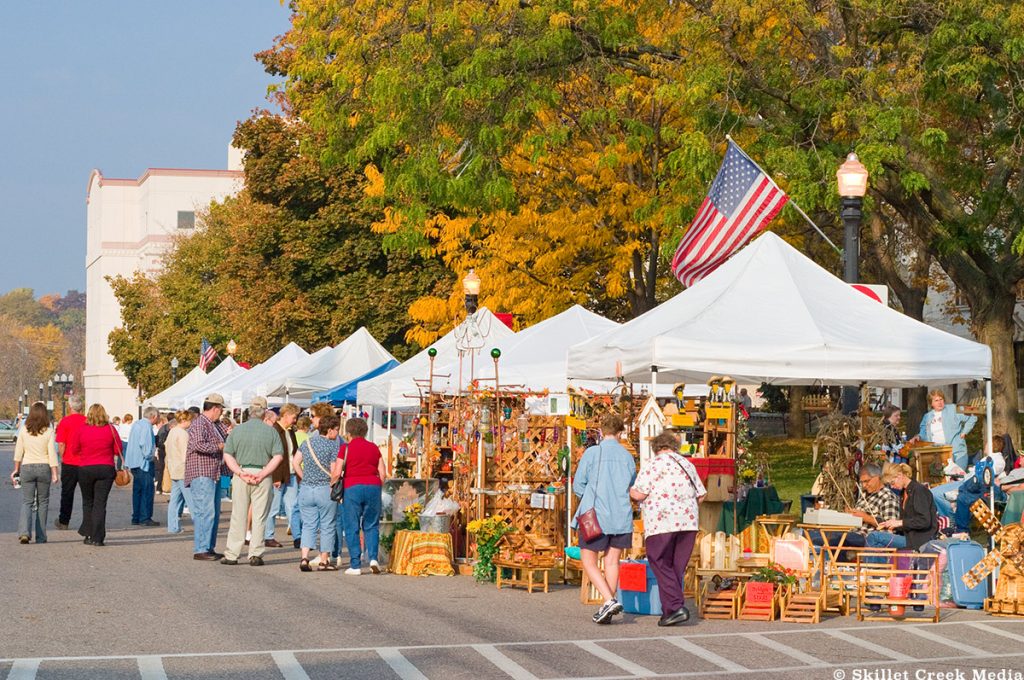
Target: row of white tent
column 769, row 314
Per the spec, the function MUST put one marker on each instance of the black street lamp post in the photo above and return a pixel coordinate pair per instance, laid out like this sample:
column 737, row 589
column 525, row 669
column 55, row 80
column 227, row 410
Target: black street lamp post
column 852, row 183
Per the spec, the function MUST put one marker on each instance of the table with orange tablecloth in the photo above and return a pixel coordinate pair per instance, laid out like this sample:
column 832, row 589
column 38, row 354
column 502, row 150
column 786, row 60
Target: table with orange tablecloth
column 419, row 553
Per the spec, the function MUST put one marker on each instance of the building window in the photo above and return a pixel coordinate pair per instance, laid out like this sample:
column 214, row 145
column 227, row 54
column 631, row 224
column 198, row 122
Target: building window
column 186, row 219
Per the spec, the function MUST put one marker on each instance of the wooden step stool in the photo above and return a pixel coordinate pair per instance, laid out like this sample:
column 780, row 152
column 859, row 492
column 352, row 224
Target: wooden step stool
column 523, row 574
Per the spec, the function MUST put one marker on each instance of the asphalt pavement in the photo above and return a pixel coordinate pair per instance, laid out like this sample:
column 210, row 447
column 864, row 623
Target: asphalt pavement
column 140, row 607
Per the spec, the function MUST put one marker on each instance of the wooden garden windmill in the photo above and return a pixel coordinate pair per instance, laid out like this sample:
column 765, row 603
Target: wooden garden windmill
column 1008, row 555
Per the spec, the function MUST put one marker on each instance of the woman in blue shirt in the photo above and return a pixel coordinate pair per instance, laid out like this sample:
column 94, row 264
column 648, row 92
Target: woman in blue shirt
column 602, row 481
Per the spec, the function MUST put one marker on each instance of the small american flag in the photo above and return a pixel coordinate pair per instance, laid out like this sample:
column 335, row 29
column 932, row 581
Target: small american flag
column 741, row 201
column 206, row 354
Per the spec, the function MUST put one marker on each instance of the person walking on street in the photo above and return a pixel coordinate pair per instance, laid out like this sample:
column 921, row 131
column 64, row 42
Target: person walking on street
column 321, row 468
column 35, row 459
column 138, row 457
column 203, row 460
column 669, row 491
column 166, row 423
column 603, row 478
column 66, row 428
column 251, row 452
column 98, row 447
column 175, row 446
column 364, row 472
column 286, row 488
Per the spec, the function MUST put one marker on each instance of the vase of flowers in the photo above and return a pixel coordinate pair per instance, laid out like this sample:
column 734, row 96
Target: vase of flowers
column 488, row 533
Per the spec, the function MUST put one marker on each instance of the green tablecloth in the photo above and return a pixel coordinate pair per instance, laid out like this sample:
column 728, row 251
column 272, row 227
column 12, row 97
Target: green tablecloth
column 1014, row 507
column 763, row 501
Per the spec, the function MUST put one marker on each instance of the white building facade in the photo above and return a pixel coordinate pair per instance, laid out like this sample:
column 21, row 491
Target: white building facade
column 130, row 224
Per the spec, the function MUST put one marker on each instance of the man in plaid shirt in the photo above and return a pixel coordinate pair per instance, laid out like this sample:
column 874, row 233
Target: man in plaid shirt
column 204, row 457
column 877, row 504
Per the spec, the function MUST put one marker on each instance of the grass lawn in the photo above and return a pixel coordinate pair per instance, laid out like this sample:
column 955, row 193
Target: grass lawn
column 792, row 471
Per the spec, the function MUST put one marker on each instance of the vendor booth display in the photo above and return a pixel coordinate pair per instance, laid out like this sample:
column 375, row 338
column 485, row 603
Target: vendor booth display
column 1008, row 557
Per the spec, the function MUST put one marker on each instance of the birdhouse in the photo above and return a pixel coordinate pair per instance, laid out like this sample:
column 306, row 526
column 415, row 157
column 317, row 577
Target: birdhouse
column 651, row 423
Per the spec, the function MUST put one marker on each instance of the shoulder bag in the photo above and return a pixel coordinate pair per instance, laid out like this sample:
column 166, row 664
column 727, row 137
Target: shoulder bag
column 688, row 478
column 122, row 477
column 338, row 487
column 587, row 525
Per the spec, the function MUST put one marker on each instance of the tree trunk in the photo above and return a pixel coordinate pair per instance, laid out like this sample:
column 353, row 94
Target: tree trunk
column 996, row 330
column 915, row 405
column 797, row 424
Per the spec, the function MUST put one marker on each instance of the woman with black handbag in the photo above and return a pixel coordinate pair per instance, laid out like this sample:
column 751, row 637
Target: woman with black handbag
column 604, row 517
column 313, row 464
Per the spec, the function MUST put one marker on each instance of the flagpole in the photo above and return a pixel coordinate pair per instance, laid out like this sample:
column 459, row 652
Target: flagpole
column 791, row 201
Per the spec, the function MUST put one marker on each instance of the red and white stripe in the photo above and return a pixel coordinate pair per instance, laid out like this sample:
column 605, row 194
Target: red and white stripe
column 713, row 238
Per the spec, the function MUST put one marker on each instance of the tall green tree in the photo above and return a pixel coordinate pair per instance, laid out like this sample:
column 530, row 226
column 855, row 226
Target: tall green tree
column 449, row 101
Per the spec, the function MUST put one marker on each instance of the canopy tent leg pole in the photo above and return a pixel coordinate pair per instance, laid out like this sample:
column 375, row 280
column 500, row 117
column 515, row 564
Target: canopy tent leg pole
column 654, row 381
column 568, row 504
column 991, row 492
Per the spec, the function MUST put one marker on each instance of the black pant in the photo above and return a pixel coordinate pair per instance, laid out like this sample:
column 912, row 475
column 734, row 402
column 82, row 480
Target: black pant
column 158, row 469
column 68, row 482
column 95, row 481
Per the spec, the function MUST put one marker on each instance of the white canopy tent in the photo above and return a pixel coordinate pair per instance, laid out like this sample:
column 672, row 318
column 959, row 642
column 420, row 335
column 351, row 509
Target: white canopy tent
column 770, row 314
column 226, row 371
column 534, row 359
column 398, row 389
column 166, row 399
column 359, row 354
column 240, row 390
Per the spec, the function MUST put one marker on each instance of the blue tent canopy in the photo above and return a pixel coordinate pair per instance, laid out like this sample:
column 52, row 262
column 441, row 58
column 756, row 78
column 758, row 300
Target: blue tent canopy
column 346, row 392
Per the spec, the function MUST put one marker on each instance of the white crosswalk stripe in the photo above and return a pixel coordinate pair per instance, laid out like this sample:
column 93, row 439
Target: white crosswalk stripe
column 631, row 662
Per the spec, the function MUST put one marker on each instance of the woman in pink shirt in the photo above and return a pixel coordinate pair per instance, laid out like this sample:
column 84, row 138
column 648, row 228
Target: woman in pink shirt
column 97, row 447
column 364, row 475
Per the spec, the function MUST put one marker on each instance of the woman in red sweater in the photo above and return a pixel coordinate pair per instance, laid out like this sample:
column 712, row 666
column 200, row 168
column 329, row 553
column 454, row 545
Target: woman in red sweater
column 97, row 446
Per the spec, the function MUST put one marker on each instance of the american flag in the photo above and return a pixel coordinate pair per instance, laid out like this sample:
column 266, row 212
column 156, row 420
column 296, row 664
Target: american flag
column 741, row 201
column 206, row 354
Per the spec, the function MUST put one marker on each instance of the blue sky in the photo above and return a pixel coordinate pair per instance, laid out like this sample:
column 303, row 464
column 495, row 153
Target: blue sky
column 120, row 86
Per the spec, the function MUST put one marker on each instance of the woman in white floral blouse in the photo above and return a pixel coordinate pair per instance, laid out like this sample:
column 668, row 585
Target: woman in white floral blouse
column 669, row 492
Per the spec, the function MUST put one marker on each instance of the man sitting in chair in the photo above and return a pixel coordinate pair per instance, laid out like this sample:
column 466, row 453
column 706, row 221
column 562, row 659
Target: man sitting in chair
column 877, row 504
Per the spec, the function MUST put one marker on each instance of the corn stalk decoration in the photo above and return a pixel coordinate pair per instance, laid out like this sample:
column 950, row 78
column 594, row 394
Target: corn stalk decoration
column 838, row 447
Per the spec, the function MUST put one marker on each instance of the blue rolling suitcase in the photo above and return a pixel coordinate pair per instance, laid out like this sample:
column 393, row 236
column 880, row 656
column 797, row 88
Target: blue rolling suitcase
column 961, row 556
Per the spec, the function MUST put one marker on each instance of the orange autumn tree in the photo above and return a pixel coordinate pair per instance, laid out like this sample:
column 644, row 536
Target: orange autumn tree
column 558, row 148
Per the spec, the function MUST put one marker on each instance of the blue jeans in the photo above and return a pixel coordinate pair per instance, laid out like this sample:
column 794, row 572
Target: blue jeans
column 943, row 506
column 286, row 495
column 294, row 515
column 884, row 539
column 362, row 509
column 205, row 509
column 142, row 495
column 970, row 491
column 179, row 499
column 317, row 517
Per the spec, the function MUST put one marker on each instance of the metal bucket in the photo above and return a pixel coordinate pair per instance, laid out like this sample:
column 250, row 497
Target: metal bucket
column 436, row 524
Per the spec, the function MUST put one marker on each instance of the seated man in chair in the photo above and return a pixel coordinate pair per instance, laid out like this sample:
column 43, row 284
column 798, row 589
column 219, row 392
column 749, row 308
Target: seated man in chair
column 877, row 504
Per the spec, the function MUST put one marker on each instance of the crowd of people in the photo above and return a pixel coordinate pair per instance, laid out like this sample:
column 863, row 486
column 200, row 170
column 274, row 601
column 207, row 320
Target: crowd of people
column 279, row 465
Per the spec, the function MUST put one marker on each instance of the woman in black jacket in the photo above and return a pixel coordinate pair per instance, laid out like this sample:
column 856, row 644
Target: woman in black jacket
column 918, row 522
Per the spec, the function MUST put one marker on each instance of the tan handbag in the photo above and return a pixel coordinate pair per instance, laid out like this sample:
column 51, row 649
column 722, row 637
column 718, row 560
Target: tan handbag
column 123, row 477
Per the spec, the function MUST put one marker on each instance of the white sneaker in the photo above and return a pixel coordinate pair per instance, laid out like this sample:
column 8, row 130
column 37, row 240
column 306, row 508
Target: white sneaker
column 314, row 561
column 338, row 562
column 374, row 566
column 185, row 512
column 353, row 572
column 248, row 536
